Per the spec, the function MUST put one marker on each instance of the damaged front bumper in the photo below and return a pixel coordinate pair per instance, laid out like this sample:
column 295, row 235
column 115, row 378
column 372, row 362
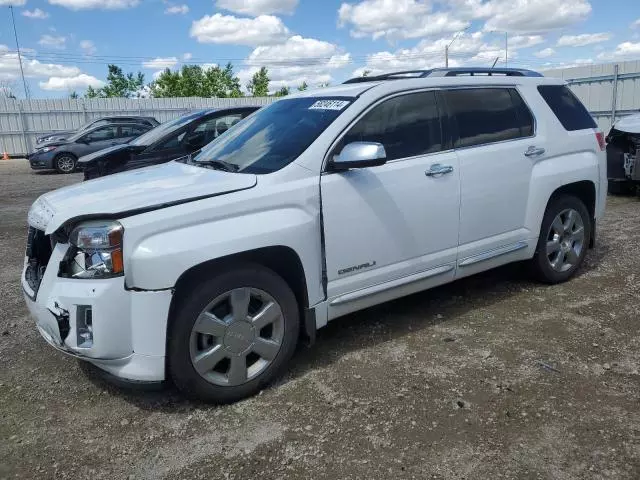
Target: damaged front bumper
column 120, row 331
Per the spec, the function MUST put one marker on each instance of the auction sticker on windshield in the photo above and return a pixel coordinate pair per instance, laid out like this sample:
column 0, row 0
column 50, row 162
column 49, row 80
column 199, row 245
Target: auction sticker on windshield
column 329, row 105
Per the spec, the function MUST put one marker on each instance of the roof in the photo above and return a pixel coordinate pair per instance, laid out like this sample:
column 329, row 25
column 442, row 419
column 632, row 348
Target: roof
column 448, row 72
column 357, row 89
column 629, row 124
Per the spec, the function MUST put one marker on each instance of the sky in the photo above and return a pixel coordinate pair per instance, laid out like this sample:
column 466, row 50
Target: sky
column 67, row 44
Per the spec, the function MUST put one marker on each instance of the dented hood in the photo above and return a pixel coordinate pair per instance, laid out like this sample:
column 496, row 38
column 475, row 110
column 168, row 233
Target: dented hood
column 133, row 192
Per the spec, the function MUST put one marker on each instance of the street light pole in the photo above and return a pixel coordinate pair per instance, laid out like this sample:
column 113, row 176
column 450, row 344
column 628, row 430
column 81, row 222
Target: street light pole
column 15, row 33
column 446, row 48
column 506, row 49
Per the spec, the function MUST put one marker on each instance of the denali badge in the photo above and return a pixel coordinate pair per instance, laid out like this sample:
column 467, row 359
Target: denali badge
column 355, row 268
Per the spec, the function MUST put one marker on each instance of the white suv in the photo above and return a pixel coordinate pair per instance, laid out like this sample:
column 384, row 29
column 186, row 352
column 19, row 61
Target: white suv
column 210, row 269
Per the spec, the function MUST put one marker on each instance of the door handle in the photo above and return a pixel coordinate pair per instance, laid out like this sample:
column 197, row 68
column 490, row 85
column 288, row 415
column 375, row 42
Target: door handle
column 534, row 151
column 438, row 169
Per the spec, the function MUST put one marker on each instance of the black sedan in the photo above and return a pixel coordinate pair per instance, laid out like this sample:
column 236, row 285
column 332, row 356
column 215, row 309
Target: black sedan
column 63, row 155
column 174, row 139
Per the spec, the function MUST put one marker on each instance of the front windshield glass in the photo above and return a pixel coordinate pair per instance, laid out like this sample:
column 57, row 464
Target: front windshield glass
column 155, row 134
column 274, row 136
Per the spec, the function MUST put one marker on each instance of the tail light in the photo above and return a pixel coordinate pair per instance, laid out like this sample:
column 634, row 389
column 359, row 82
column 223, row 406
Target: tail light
column 600, row 139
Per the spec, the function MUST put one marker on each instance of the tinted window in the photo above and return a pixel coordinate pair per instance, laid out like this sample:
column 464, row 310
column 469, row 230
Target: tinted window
column 407, row 126
column 165, row 129
column 276, row 135
column 131, row 130
column 566, row 106
column 103, row 133
column 486, row 115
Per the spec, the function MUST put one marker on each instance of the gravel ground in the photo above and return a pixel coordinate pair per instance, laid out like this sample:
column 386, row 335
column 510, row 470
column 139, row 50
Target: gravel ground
column 491, row 377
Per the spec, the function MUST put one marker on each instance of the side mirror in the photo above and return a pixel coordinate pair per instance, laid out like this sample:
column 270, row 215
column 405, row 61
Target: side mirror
column 359, row 155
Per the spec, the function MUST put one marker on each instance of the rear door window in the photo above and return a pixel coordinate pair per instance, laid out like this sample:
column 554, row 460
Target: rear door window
column 488, row 115
column 407, row 126
column 567, row 107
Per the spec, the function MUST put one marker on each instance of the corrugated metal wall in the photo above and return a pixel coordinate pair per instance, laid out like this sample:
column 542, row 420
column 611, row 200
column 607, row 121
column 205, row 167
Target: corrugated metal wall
column 21, row 121
column 595, row 85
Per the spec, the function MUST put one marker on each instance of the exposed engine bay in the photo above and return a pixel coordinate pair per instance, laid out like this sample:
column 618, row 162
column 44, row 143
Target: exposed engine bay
column 623, row 152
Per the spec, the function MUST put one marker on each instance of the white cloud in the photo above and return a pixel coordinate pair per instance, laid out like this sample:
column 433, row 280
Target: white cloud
column 10, row 67
column 623, row 50
column 79, row 82
column 546, row 53
column 396, row 19
column 15, row 3
column 187, row 56
column 295, row 61
column 160, row 62
column 177, row 9
column 468, row 49
column 636, row 23
column 258, row 7
column 582, row 40
column 218, row 28
column 524, row 41
column 36, row 14
column 91, row 4
column 531, row 15
column 52, row 41
column 88, row 47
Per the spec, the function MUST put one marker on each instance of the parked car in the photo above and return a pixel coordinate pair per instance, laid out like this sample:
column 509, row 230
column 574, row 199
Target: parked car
column 208, row 270
column 63, row 156
column 623, row 155
column 171, row 140
column 61, row 136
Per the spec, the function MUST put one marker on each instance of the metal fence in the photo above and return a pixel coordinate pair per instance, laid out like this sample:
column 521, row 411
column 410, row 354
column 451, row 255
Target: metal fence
column 609, row 91
column 21, row 121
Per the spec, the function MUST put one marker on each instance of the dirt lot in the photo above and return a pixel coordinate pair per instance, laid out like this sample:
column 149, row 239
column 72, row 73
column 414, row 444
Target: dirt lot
column 491, row 377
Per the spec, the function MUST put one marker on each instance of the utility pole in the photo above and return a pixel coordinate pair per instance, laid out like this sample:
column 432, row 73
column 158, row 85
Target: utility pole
column 15, row 33
column 446, row 48
column 506, row 49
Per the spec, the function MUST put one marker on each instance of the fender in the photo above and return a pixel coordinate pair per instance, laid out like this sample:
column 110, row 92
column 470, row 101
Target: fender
column 217, row 227
column 550, row 174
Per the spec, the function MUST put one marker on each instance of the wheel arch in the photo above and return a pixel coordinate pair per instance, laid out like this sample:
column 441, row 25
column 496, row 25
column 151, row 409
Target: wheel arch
column 585, row 191
column 282, row 260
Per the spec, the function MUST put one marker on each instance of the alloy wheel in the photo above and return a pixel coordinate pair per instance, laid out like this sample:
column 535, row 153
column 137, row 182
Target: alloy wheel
column 565, row 240
column 65, row 164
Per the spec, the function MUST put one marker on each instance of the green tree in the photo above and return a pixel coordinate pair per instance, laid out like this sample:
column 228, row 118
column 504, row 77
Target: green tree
column 195, row 81
column 366, row 73
column 259, row 84
column 118, row 84
column 303, row 87
column 74, row 95
column 283, row 92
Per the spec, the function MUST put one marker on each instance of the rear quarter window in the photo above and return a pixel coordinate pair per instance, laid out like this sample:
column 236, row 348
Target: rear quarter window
column 567, row 107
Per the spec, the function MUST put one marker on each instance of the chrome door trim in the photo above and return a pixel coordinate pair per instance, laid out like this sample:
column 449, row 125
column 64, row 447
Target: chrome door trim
column 383, row 287
column 496, row 252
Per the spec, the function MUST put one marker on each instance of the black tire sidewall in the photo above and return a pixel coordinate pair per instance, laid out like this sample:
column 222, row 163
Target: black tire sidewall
column 541, row 265
column 57, row 159
column 182, row 372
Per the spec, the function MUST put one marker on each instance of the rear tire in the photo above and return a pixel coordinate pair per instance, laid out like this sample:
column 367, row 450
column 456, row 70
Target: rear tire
column 564, row 240
column 233, row 334
column 65, row 163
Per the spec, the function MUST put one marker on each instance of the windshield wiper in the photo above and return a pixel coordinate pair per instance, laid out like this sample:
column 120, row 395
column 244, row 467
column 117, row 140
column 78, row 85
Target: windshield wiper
column 218, row 165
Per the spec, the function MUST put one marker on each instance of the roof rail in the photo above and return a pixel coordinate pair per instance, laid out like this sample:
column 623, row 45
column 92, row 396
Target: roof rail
column 448, row 72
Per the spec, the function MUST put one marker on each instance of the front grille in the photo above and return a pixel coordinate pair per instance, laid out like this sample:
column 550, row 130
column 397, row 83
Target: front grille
column 39, row 248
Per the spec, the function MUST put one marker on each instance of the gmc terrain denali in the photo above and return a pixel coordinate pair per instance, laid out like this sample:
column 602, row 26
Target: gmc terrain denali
column 208, row 270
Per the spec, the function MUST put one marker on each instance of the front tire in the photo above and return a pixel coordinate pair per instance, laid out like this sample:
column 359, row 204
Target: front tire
column 65, row 163
column 233, row 334
column 564, row 240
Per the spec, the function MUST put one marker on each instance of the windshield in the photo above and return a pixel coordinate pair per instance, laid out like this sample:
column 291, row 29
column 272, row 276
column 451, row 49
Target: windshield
column 161, row 131
column 275, row 136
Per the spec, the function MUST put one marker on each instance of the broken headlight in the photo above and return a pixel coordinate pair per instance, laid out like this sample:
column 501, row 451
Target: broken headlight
column 95, row 251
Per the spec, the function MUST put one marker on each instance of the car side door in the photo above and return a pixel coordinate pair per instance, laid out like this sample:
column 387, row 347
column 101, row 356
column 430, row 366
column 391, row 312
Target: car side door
column 97, row 139
column 497, row 145
column 392, row 230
